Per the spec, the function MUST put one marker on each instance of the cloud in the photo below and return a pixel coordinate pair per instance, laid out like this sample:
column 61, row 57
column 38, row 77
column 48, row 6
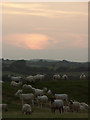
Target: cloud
column 38, row 10
column 72, row 40
column 28, row 41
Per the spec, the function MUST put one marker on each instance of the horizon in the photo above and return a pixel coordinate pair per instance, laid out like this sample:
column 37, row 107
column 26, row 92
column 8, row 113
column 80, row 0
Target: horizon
column 44, row 59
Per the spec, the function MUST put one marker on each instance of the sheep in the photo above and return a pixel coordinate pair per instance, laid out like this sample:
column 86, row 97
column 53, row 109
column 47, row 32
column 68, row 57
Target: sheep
column 39, row 77
column 49, row 92
column 15, row 84
column 45, row 89
column 85, row 105
column 65, row 77
column 29, row 96
column 26, row 109
column 18, row 92
column 42, row 99
column 30, row 78
column 82, row 108
column 66, row 108
column 74, row 106
column 25, row 86
column 63, row 97
column 16, row 79
column 82, row 76
column 38, row 92
column 56, row 104
column 4, row 107
column 56, row 77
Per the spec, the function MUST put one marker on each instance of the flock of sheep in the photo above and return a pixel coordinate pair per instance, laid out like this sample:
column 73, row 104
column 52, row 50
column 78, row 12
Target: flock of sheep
column 44, row 97
column 41, row 77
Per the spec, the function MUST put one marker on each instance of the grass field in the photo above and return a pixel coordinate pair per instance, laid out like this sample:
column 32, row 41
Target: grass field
column 76, row 90
column 44, row 113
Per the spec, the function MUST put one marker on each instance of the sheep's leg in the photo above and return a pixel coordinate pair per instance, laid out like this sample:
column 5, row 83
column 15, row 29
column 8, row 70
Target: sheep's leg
column 22, row 102
column 41, row 105
column 54, row 110
column 33, row 103
column 60, row 109
column 38, row 104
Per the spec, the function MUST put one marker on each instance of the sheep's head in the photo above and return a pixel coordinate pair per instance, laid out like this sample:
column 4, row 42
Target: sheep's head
column 18, row 93
column 45, row 89
column 71, row 102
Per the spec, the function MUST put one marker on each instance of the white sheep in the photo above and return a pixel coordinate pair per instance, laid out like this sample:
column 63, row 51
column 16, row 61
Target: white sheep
column 82, row 76
column 65, row 77
column 63, row 97
column 26, row 109
column 86, row 106
column 66, row 108
column 4, row 107
column 56, row 77
column 18, row 92
column 45, row 89
column 30, row 78
column 56, row 104
column 29, row 96
column 39, row 77
column 74, row 106
column 38, row 92
column 25, row 86
column 82, row 108
column 15, row 84
column 49, row 92
column 17, row 78
column 42, row 100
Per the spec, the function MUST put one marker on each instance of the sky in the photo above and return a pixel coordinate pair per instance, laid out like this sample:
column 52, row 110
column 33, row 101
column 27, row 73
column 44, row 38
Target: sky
column 47, row 30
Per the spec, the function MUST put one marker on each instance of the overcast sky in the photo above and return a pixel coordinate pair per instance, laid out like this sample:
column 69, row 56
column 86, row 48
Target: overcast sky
column 45, row 31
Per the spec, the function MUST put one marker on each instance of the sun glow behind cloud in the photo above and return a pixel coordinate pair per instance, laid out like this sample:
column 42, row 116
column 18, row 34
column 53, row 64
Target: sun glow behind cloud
column 28, row 41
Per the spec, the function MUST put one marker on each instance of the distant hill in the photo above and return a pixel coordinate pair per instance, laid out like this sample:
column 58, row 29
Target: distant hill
column 43, row 65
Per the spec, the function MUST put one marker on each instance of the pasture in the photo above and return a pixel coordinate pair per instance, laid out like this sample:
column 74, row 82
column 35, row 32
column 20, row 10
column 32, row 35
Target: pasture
column 76, row 90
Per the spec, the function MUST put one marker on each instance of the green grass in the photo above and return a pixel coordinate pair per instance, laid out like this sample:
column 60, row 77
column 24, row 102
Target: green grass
column 44, row 113
column 76, row 90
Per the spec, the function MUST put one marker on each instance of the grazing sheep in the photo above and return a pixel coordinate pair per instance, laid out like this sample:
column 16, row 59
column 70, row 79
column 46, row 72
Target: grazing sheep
column 16, row 79
column 49, row 92
column 56, row 77
column 82, row 76
column 66, row 108
column 4, row 107
column 63, row 97
column 26, row 109
column 38, row 92
column 18, row 92
column 29, row 96
column 56, row 104
column 82, row 108
column 74, row 106
column 39, row 77
column 15, row 84
column 30, row 78
column 45, row 89
column 42, row 100
column 25, row 86
column 65, row 77
column 86, row 106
